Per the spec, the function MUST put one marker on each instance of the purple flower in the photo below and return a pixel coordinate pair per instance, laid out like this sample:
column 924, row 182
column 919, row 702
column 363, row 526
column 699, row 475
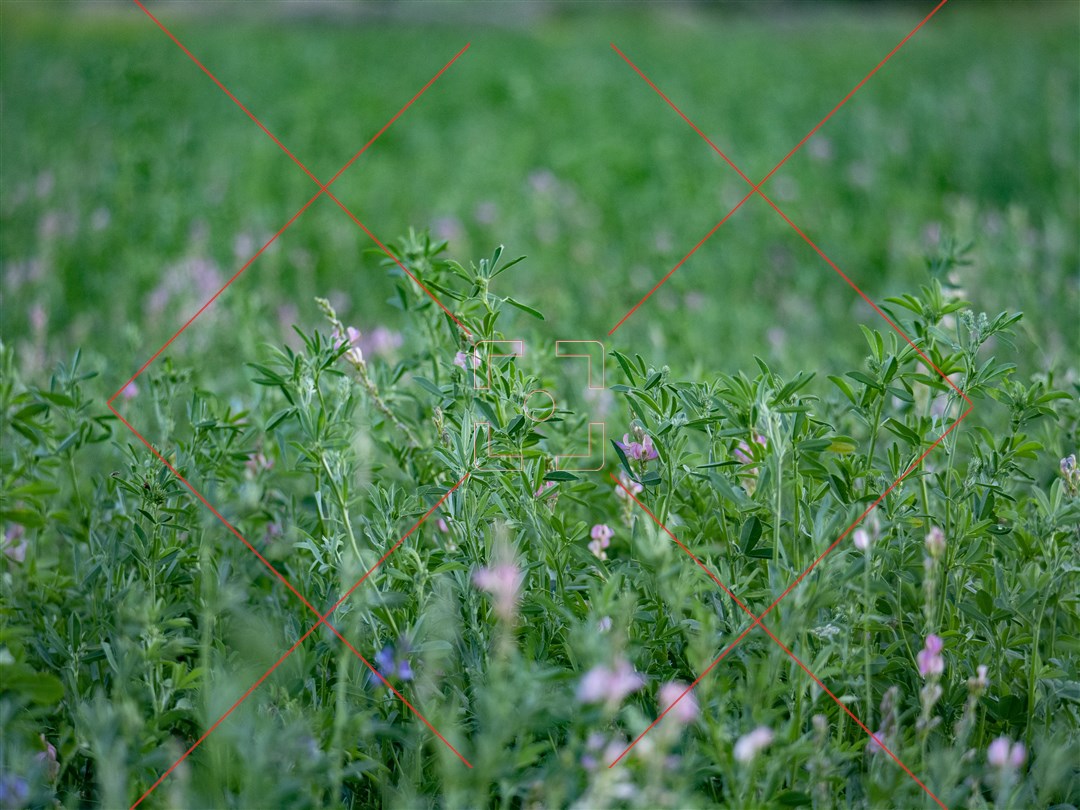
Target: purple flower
column 14, row 790
column 442, row 525
column 1004, row 754
column 14, row 543
column 601, row 684
column 935, row 542
column 639, row 451
column 930, row 660
column 130, row 391
column 393, row 663
column 47, row 759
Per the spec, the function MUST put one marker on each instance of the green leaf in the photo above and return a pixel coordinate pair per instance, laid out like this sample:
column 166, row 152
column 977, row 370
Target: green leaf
column 561, row 475
column 429, row 386
column 524, row 308
column 858, row 376
column 751, row 532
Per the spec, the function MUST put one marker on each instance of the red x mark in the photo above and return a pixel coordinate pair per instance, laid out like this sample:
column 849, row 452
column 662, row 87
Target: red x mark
column 323, row 189
column 756, row 188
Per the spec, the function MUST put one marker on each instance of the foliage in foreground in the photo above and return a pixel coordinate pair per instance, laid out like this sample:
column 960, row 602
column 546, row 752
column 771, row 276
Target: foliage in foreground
column 541, row 620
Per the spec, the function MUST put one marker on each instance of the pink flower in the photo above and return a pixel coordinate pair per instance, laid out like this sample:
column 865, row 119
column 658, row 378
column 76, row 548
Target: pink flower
column 130, row 391
column 630, row 485
column 749, row 745
column 685, row 711
column 544, row 487
column 1005, row 754
column 462, row 360
column 603, row 533
column 639, row 451
column 14, row 543
column 601, row 684
column 502, row 581
column 442, row 525
column 930, row 660
column 604, row 624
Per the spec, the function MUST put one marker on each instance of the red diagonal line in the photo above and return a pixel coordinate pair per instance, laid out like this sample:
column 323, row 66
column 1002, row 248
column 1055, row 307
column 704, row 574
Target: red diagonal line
column 221, row 719
column 775, row 168
column 322, row 620
column 851, row 714
column 296, row 160
column 322, row 189
column 880, row 498
column 205, row 306
column 758, row 620
column 701, row 565
column 798, row 230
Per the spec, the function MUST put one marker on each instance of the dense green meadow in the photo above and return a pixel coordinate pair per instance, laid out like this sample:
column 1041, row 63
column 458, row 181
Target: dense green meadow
column 501, row 627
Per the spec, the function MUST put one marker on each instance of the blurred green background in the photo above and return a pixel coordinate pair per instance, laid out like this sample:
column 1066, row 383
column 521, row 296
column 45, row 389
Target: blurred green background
column 131, row 187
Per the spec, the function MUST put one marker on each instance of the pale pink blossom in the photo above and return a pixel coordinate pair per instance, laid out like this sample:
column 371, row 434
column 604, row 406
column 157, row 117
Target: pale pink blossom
column 685, row 711
column 503, row 582
column 930, row 660
column 442, row 525
column 601, row 684
column 604, row 624
column 130, row 391
column 751, row 744
column 628, row 485
column 601, row 535
column 1005, row 754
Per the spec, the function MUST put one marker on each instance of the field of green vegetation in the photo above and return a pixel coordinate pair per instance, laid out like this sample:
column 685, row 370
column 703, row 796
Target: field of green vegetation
column 519, row 624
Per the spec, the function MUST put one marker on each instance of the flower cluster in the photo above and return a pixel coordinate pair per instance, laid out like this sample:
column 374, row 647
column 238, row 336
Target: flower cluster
column 930, row 660
column 352, row 339
column 1006, row 755
column 601, row 535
